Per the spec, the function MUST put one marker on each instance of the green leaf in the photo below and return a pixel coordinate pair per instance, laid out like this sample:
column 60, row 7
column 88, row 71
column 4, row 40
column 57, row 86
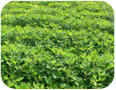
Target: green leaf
column 6, row 77
column 19, row 79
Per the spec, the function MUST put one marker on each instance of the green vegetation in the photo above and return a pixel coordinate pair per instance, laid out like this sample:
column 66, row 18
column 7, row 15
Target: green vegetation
column 54, row 45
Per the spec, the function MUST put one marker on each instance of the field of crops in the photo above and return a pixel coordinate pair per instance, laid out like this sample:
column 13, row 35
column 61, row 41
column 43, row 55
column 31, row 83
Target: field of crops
column 57, row 45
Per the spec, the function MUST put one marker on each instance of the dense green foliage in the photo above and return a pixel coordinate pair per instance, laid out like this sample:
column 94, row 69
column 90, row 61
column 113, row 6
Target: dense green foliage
column 57, row 44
